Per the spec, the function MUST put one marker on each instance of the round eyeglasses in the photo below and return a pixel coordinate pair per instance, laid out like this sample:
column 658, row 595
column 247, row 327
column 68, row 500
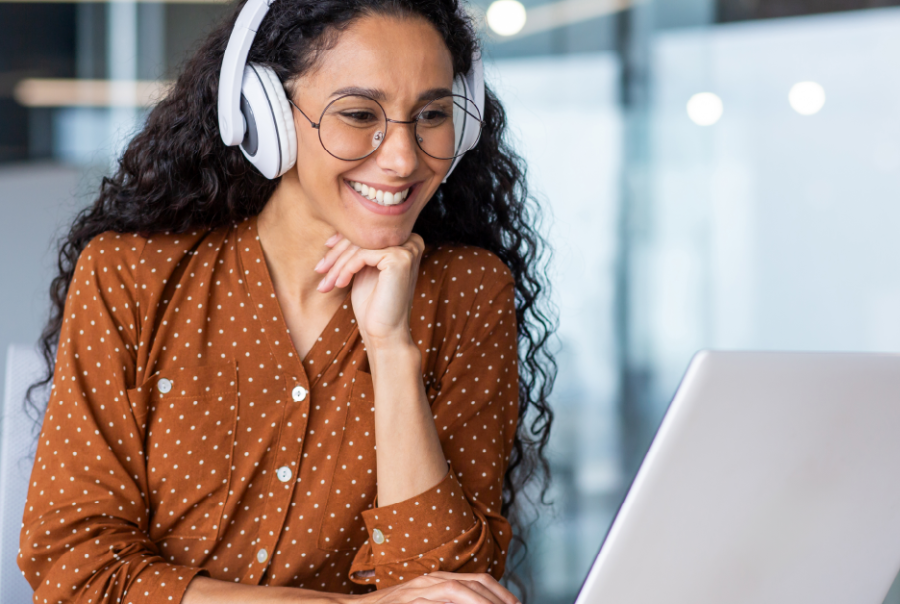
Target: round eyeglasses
column 353, row 126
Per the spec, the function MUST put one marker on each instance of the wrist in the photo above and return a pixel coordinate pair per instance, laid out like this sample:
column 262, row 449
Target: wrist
column 394, row 353
column 389, row 343
column 336, row 598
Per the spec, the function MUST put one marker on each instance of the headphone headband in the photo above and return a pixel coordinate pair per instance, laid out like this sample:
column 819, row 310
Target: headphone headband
column 231, row 122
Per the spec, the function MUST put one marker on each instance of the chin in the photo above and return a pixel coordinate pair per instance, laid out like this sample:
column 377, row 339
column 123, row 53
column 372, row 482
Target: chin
column 380, row 240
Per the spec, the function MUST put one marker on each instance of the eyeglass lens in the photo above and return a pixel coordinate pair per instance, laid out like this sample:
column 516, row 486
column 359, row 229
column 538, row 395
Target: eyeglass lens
column 354, row 126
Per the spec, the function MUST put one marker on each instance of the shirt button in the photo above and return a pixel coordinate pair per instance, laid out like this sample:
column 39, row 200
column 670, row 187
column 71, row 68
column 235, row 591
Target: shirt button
column 299, row 393
column 377, row 536
column 262, row 555
column 164, row 385
column 284, row 473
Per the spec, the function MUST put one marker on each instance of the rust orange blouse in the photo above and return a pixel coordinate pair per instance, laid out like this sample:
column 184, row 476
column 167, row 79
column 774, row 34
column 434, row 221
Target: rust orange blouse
column 185, row 436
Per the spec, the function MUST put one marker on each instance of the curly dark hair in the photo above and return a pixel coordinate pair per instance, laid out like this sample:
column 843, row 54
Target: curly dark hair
column 176, row 175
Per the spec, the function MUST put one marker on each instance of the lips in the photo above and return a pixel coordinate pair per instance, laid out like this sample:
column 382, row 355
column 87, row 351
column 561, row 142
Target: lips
column 380, row 196
column 381, row 208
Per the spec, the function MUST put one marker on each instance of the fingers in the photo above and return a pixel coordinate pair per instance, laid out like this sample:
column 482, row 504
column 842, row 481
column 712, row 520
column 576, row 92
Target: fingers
column 353, row 261
column 345, row 259
column 354, row 258
column 461, row 592
column 483, row 579
column 415, row 243
column 338, row 245
column 484, row 592
column 353, row 264
column 336, row 271
column 452, row 588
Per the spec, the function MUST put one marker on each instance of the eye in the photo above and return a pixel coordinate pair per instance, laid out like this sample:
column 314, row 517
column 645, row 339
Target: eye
column 433, row 114
column 360, row 117
column 433, row 117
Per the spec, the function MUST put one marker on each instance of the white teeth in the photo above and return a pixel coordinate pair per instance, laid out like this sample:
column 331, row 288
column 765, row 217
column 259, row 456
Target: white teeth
column 385, row 198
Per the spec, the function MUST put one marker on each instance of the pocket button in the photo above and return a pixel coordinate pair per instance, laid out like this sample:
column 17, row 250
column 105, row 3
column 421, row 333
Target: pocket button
column 164, row 385
column 284, row 473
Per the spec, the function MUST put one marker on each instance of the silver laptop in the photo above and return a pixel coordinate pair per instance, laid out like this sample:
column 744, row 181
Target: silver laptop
column 774, row 478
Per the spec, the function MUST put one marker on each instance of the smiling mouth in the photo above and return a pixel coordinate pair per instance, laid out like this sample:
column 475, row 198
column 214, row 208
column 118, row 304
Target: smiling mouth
column 382, row 198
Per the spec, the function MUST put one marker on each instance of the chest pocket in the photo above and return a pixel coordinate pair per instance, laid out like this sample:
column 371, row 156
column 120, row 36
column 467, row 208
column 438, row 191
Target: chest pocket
column 189, row 443
column 353, row 482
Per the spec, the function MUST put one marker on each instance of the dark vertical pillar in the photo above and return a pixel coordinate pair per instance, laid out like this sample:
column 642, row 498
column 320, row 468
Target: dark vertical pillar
column 90, row 41
column 151, row 40
column 634, row 30
column 637, row 28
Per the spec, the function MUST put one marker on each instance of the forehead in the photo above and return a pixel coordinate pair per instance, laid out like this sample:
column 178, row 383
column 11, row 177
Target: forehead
column 399, row 55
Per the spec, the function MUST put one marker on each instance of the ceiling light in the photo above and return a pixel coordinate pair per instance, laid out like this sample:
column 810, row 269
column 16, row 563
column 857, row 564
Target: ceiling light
column 807, row 98
column 506, row 17
column 705, row 108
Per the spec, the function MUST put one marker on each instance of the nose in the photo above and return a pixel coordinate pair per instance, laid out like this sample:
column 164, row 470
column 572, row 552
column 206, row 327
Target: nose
column 398, row 152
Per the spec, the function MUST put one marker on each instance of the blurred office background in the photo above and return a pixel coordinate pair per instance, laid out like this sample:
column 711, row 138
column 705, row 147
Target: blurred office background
column 715, row 173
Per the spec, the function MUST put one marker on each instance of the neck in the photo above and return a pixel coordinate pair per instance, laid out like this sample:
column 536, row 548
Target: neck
column 293, row 242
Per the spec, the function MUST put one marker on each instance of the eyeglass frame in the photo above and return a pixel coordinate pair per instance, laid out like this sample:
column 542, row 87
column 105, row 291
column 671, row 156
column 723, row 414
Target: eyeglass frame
column 316, row 125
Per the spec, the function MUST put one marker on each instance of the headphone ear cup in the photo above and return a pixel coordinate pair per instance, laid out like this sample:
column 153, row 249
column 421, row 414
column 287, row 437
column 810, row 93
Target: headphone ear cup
column 460, row 121
column 284, row 117
column 273, row 149
column 467, row 129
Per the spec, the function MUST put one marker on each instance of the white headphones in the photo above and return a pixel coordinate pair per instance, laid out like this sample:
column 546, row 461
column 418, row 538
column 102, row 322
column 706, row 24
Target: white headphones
column 256, row 115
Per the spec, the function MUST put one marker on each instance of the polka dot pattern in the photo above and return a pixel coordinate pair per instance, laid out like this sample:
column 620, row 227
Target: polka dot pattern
column 173, row 422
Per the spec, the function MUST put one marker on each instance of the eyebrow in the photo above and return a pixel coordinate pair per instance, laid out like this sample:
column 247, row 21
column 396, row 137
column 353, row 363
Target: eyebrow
column 379, row 95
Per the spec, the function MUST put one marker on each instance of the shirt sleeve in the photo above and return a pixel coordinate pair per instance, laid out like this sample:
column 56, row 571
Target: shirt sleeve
column 456, row 525
column 84, row 534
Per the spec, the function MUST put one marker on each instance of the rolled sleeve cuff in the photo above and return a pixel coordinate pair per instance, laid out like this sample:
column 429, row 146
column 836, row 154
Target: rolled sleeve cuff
column 420, row 524
column 163, row 583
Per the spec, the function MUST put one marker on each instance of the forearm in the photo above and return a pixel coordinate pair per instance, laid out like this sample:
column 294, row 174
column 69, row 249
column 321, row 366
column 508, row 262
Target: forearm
column 203, row 590
column 409, row 457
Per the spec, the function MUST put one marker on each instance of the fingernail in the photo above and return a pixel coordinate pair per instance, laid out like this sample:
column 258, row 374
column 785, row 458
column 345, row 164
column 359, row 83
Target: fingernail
column 319, row 286
column 319, row 263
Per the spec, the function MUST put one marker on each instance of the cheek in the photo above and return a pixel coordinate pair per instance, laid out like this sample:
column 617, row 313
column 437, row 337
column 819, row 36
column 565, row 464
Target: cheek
column 437, row 166
column 316, row 169
column 309, row 149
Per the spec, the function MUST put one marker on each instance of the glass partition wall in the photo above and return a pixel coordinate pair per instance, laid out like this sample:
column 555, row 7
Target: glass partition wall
column 754, row 165
column 712, row 175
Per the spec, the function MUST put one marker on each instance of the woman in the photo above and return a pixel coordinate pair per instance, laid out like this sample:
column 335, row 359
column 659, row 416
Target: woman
column 285, row 390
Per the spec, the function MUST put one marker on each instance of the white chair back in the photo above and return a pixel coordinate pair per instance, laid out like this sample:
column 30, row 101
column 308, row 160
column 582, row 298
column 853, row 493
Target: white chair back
column 17, row 436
